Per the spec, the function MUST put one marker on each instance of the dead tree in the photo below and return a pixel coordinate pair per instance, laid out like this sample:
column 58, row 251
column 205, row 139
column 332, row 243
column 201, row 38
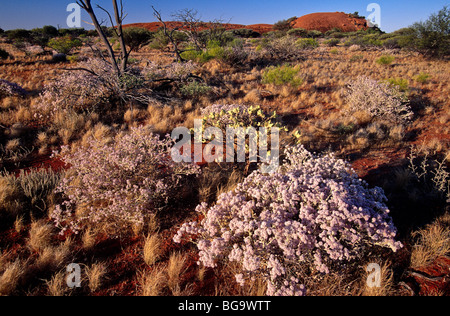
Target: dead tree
column 119, row 64
column 192, row 26
column 170, row 35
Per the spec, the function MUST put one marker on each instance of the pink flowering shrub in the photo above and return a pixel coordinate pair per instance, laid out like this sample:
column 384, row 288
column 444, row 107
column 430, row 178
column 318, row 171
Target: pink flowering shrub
column 380, row 100
column 173, row 71
column 85, row 90
column 118, row 183
column 11, row 89
column 313, row 211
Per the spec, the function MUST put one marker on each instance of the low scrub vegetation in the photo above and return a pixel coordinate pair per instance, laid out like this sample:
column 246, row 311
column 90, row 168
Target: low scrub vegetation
column 87, row 174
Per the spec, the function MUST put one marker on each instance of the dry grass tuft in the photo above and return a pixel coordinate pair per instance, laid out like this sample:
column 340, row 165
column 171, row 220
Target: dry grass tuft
column 96, row 274
column 152, row 283
column 152, row 249
column 175, row 270
column 11, row 276
column 386, row 287
column 57, row 285
column 40, row 235
column 433, row 242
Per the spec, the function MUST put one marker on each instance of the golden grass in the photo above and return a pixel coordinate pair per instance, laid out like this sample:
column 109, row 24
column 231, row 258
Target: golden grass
column 40, row 235
column 386, row 287
column 153, row 282
column 57, row 285
column 89, row 239
column 433, row 242
column 96, row 274
column 152, row 249
column 175, row 269
column 11, row 276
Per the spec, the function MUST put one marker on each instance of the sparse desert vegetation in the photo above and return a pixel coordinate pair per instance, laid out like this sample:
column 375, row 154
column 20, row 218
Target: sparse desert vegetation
column 87, row 175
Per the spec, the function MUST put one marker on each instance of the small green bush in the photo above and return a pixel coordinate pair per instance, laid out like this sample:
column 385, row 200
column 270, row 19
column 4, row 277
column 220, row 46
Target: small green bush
column 332, row 42
column 307, row 43
column 334, row 51
column 356, row 58
column 385, row 60
column 402, row 84
column 195, row 89
column 246, row 33
column 136, row 37
column 160, row 41
column 282, row 75
column 213, row 51
column 315, row 34
column 299, row 32
column 64, row 45
column 422, row 78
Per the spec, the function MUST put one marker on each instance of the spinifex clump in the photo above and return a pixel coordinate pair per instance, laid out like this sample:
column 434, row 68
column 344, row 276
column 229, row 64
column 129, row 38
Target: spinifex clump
column 313, row 211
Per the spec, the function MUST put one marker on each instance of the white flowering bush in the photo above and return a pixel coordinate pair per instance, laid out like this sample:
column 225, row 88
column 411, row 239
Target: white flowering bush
column 380, row 100
column 314, row 211
column 93, row 84
column 173, row 71
column 119, row 183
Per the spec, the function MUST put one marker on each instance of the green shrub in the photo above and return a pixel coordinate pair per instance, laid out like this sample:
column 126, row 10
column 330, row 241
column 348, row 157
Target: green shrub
column 160, row 41
column 334, row 51
column 299, row 32
column 195, row 89
column 245, row 33
column 332, row 42
column 284, row 25
column 422, row 78
column 385, row 60
column 282, row 75
column 401, row 84
column 136, row 37
column 356, row 58
column 307, row 43
column 433, row 36
column 64, row 45
column 213, row 51
column 315, row 34
column 19, row 35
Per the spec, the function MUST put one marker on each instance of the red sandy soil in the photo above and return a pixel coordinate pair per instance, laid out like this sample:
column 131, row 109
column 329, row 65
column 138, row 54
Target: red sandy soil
column 154, row 26
column 327, row 21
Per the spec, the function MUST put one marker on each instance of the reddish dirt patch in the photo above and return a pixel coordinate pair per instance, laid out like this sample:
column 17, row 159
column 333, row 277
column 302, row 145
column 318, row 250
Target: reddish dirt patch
column 154, row 26
column 378, row 163
column 431, row 280
column 327, row 21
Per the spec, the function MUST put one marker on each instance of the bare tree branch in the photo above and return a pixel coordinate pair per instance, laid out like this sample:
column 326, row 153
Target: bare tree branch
column 86, row 5
column 169, row 35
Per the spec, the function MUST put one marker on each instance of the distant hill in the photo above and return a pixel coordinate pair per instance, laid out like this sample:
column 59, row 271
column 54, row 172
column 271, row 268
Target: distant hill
column 316, row 21
column 329, row 20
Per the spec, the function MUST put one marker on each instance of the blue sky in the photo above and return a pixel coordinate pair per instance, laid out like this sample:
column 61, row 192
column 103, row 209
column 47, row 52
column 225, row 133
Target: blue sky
column 29, row 14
